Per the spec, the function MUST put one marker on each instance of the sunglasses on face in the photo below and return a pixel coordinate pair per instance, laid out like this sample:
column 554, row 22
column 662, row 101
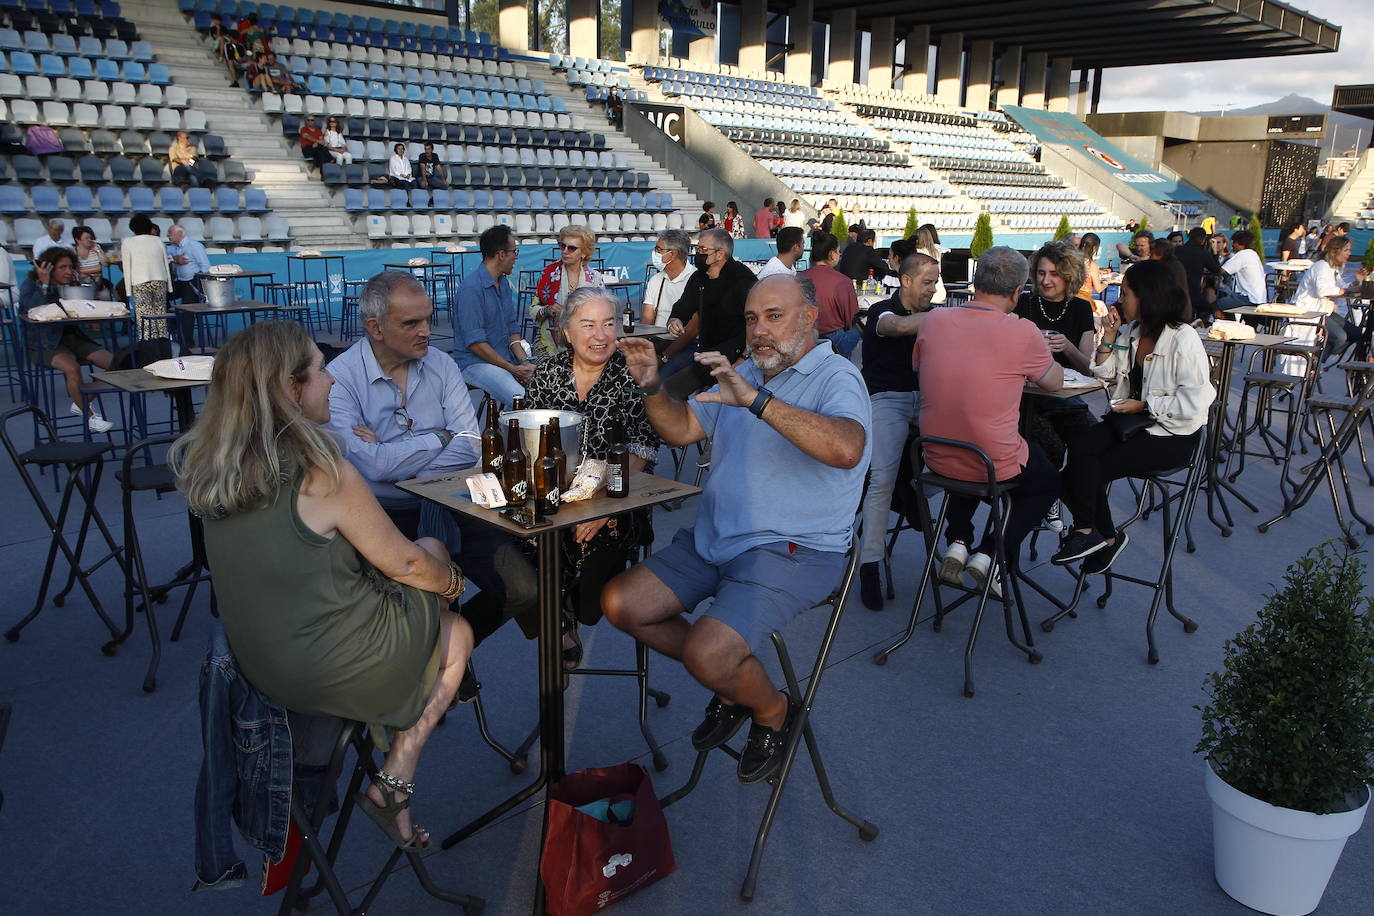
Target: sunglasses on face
column 571, row 247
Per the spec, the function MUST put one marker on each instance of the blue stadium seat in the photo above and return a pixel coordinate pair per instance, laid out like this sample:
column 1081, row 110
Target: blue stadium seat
column 22, row 63
column 134, row 72
column 199, row 200
column 142, row 51
column 419, row 199
column 80, row 68
column 110, row 199
column 377, row 199
column 13, row 200
column 11, row 40
column 171, row 200
column 227, row 200
column 107, row 70
column 116, row 49
column 255, row 201
column 79, row 200
column 141, row 199
column 399, row 200
column 353, row 200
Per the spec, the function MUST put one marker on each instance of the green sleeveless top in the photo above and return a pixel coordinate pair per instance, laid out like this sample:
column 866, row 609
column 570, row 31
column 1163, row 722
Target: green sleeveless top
column 315, row 626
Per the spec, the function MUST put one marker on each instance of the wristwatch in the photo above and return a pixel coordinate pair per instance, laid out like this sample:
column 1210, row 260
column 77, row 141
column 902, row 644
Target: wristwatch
column 760, row 402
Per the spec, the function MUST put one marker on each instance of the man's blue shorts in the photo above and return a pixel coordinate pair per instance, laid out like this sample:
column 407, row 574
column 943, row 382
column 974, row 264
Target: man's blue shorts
column 757, row 592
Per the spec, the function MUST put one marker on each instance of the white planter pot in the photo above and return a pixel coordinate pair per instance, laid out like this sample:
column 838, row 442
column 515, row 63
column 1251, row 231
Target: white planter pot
column 1275, row 860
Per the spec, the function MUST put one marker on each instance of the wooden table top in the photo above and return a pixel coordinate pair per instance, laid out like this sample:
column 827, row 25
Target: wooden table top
column 451, row 491
column 141, row 381
column 646, row 330
column 239, row 305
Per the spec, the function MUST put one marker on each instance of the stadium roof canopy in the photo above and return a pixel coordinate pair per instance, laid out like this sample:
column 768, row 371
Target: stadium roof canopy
column 1113, row 33
column 1354, row 100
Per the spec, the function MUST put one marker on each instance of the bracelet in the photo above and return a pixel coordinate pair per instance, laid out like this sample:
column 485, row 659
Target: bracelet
column 1117, row 346
column 445, row 437
column 456, row 584
column 650, row 392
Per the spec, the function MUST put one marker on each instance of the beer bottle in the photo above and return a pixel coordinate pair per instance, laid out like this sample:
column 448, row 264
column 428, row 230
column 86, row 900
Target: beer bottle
column 493, row 448
column 546, row 489
column 617, row 462
column 560, row 457
column 627, row 322
column 515, row 467
column 517, row 402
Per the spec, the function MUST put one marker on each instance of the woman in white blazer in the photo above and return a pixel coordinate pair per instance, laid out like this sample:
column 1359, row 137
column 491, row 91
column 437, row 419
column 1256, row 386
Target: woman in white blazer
column 1157, row 369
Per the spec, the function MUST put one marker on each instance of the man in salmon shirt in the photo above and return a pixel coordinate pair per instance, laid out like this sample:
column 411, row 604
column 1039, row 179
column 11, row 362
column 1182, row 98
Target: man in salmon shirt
column 974, row 361
column 763, row 218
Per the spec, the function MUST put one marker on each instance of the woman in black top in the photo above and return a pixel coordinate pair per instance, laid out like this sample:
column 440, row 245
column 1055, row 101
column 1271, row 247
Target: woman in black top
column 707, row 220
column 589, row 377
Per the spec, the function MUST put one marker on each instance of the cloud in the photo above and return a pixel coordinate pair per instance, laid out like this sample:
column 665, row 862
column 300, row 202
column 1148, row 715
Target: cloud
column 1241, row 83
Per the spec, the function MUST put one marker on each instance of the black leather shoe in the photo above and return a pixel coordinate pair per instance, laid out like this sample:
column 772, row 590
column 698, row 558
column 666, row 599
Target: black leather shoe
column 720, row 724
column 871, row 586
column 762, row 756
column 467, row 688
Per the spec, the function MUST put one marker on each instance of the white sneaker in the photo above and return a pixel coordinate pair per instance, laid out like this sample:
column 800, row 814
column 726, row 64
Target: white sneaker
column 977, row 567
column 1053, row 521
column 99, row 424
column 952, row 563
column 74, row 409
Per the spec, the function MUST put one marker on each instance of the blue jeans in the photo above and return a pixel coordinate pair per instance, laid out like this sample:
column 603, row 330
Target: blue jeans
column 844, row 341
column 495, row 381
column 894, row 412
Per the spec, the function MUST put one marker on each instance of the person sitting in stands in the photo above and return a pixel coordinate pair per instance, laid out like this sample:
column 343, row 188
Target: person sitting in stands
column 328, row 608
column 835, row 296
column 398, row 168
column 401, row 409
column 1249, row 286
column 433, row 172
column 710, row 314
column 590, row 377
column 790, row 422
column 486, row 327
column 250, row 32
column 61, row 346
column 973, row 394
column 858, row 260
column 52, row 238
column 895, row 399
column 181, row 158
column 91, row 261
column 615, row 108
column 1159, row 367
column 576, row 245
column 313, row 147
column 672, row 258
column 228, row 46
column 278, row 77
column 791, row 247
column 336, row 144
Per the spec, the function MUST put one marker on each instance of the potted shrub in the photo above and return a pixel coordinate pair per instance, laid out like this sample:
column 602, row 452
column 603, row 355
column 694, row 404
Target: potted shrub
column 1289, row 736
column 1368, row 264
column 838, row 227
column 912, row 223
column 982, row 241
column 1062, row 231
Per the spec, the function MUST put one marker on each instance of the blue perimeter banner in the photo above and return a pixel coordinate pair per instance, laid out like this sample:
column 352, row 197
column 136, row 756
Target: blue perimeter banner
column 1064, row 129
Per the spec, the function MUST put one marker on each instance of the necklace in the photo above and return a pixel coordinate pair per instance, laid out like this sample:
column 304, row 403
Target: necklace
column 1040, row 304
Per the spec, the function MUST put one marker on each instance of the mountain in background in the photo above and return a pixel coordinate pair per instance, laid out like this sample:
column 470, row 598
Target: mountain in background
column 1343, row 125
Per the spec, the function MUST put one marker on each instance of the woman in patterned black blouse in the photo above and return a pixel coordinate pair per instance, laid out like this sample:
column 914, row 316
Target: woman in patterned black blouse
column 590, row 378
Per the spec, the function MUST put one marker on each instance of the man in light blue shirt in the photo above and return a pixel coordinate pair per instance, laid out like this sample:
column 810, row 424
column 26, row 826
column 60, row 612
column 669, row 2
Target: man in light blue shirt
column 188, row 258
column 486, row 327
column 400, row 410
column 776, row 516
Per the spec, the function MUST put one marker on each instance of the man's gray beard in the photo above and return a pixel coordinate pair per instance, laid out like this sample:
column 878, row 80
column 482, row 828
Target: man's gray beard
column 784, row 355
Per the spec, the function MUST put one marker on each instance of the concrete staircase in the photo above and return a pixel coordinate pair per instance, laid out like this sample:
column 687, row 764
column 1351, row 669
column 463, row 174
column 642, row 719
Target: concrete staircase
column 316, row 217
column 1355, row 193
column 556, row 84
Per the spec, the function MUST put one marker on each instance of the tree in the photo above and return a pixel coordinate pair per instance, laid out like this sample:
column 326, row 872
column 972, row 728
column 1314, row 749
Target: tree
column 838, row 227
column 1368, row 262
column 1144, row 223
column 610, row 31
column 484, row 16
column 982, row 236
column 1062, row 231
column 1257, row 243
column 912, row 223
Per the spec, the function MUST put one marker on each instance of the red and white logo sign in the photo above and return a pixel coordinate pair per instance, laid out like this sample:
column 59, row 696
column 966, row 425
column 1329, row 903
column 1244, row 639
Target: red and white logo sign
column 1103, row 158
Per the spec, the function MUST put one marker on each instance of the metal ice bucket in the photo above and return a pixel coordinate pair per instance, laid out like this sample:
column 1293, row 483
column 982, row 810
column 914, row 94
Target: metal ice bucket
column 77, row 291
column 219, row 291
column 569, row 433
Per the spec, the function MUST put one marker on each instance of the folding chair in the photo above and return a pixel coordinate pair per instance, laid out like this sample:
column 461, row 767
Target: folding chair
column 801, row 729
column 1174, row 522
column 83, row 463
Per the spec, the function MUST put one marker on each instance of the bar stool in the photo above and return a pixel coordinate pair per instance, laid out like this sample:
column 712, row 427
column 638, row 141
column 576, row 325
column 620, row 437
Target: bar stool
column 83, row 463
column 1268, row 387
column 800, row 730
column 997, row 494
column 349, row 325
column 1169, row 490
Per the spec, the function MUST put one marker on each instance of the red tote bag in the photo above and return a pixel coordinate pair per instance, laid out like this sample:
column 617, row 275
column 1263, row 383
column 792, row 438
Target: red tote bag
column 589, row 864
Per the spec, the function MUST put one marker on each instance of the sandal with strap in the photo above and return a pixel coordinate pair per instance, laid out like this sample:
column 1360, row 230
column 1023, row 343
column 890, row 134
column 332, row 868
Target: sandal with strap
column 384, row 816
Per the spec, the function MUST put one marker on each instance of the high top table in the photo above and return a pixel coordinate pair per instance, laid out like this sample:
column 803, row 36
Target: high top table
column 450, row 491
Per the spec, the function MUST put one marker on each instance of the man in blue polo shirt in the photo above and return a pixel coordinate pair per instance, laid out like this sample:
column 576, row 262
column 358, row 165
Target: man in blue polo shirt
column 789, row 456
column 486, row 327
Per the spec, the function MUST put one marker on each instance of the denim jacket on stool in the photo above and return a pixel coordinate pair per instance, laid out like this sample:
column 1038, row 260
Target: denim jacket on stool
column 246, row 771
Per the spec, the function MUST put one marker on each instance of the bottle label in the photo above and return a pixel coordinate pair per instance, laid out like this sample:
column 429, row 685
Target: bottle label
column 496, row 461
column 519, row 490
column 614, row 481
column 551, row 501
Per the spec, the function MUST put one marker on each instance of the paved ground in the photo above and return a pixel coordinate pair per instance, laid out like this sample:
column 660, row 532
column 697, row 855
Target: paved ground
column 1070, row 787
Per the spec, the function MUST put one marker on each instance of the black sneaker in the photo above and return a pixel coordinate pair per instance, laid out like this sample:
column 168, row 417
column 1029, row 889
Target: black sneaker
column 871, row 586
column 762, row 755
column 720, row 724
column 467, row 688
column 1100, row 561
column 1077, row 546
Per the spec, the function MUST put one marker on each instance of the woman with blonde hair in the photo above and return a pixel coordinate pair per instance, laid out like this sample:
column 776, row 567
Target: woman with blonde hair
column 795, row 215
column 576, row 245
column 928, row 243
column 328, row 608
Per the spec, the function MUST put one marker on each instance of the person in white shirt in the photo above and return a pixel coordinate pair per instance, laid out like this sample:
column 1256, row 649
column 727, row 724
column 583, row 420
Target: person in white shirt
column 1250, row 287
column 398, row 169
column 672, row 257
column 52, row 240
column 1321, row 290
column 794, row 216
column 791, row 246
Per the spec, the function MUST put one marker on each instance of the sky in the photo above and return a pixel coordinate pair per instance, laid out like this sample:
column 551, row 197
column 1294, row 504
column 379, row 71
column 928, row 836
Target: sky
column 1241, row 83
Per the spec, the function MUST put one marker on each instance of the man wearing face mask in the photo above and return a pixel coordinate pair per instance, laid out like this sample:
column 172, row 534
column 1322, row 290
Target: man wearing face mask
column 709, row 316
column 672, row 259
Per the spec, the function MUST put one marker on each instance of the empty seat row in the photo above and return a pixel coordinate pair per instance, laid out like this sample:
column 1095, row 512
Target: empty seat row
column 368, row 38
column 68, row 89
column 34, row 41
column 110, row 117
column 283, row 14
column 79, row 200
column 389, row 57
column 92, row 170
column 395, row 129
column 359, row 175
column 841, row 155
column 328, row 66
column 23, row 64
column 454, row 153
column 216, row 230
column 374, row 199
column 390, row 91
column 77, row 26
column 443, row 225
column 417, row 111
